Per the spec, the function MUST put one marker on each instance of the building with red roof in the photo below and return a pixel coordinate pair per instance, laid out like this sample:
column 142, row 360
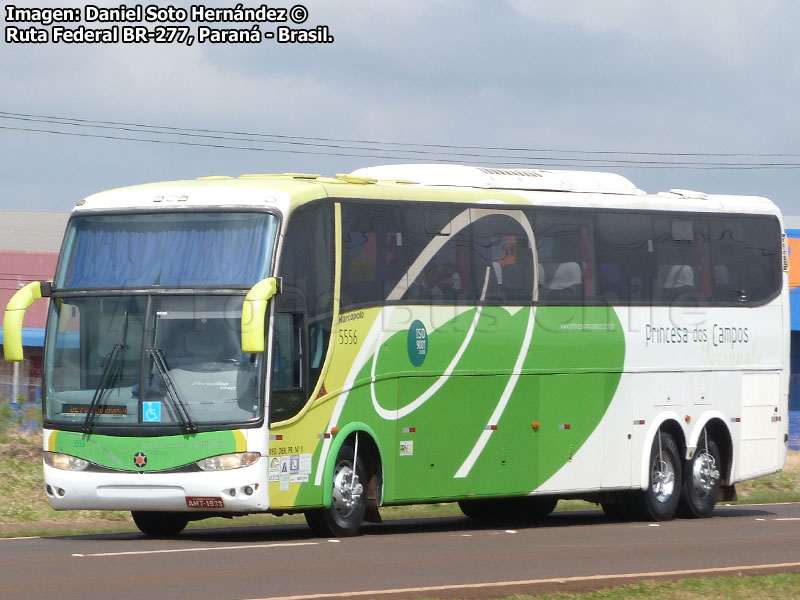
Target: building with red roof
column 29, row 244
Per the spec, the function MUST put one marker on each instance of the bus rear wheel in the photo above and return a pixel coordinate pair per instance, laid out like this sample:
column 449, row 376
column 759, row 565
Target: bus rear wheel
column 660, row 500
column 159, row 524
column 701, row 480
column 349, row 499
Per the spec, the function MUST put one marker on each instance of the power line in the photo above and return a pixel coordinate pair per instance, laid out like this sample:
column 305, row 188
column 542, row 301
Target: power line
column 460, row 155
column 410, row 154
column 89, row 122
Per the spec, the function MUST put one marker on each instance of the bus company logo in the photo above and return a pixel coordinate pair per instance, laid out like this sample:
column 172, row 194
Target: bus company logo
column 417, row 343
column 140, row 459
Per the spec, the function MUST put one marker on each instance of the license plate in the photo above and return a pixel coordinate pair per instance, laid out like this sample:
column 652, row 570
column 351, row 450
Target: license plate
column 204, row 502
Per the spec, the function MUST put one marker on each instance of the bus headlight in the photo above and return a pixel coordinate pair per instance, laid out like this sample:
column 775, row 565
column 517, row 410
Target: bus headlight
column 65, row 462
column 224, row 462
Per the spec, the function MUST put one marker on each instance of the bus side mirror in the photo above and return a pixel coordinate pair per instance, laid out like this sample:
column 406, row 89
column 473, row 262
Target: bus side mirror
column 15, row 314
column 254, row 310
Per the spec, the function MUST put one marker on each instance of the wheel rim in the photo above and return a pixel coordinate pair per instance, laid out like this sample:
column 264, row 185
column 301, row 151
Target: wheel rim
column 705, row 474
column 663, row 478
column 347, row 491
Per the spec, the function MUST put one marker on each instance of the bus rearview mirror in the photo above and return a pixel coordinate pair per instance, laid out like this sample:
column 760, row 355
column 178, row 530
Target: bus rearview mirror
column 15, row 315
column 254, row 310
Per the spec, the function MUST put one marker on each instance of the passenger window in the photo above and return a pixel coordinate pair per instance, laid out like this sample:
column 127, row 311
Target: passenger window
column 682, row 254
column 746, row 258
column 437, row 247
column 565, row 251
column 446, row 276
column 625, row 257
column 486, row 255
column 503, row 251
column 373, row 254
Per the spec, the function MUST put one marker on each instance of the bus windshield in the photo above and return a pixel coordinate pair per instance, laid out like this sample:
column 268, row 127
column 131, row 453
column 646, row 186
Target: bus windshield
column 148, row 360
column 166, row 250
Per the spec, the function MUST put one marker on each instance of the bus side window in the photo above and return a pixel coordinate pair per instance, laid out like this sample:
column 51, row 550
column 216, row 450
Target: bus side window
column 303, row 310
column 373, row 259
column 439, row 268
column 745, row 254
column 319, row 334
column 288, row 393
column 565, row 245
column 682, row 256
column 625, row 257
column 501, row 245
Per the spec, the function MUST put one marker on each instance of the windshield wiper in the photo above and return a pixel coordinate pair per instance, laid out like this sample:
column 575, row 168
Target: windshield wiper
column 111, row 371
column 171, row 390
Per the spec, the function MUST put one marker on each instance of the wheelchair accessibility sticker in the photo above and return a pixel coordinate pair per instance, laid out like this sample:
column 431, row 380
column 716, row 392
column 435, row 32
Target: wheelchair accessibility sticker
column 151, row 412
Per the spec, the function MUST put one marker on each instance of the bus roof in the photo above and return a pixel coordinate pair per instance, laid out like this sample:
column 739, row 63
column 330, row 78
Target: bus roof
column 433, row 183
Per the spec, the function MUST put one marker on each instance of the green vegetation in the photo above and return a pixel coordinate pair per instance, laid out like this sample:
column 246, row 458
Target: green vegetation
column 763, row 587
column 11, row 421
column 25, row 510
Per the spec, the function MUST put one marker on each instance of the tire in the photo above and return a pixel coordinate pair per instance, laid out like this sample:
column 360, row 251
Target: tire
column 660, row 500
column 160, row 524
column 536, row 508
column 701, row 481
column 479, row 510
column 349, row 499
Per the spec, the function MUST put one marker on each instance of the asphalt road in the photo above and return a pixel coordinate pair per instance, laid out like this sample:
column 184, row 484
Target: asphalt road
column 426, row 557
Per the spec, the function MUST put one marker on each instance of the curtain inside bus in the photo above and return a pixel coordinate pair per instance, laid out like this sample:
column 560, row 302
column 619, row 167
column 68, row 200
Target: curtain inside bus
column 168, row 250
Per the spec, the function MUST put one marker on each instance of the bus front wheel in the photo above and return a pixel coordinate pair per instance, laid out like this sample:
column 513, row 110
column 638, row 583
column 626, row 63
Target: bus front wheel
column 159, row 524
column 701, row 480
column 349, row 499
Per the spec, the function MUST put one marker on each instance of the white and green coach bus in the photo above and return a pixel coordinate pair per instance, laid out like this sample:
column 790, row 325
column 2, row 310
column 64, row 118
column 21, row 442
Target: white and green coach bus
column 500, row 338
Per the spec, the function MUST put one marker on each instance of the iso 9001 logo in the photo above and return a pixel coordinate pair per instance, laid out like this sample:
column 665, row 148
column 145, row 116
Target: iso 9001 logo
column 140, row 460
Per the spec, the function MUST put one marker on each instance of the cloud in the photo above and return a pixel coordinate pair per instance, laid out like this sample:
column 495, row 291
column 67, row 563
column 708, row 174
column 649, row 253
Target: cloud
column 731, row 33
column 575, row 74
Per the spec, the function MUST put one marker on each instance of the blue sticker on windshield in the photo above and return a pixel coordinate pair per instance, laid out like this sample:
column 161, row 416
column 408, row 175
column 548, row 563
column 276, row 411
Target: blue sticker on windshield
column 151, row 412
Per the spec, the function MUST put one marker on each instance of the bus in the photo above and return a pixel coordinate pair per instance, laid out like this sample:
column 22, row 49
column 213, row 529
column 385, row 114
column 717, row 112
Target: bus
column 500, row 338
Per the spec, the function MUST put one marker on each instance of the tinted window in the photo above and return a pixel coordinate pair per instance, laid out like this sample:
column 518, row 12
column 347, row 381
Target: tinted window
column 565, row 244
column 502, row 257
column 625, row 257
column 304, row 309
column 373, row 253
column 746, row 258
column 682, row 259
column 448, row 254
column 440, row 265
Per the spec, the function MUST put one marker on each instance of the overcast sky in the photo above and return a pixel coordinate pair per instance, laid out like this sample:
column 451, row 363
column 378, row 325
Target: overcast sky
column 716, row 77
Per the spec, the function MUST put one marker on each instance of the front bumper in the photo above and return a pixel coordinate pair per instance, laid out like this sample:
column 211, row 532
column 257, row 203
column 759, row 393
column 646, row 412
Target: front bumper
column 241, row 490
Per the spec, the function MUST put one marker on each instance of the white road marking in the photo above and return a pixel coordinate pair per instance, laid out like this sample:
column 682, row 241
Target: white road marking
column 206, row 549
column 786, row 519
column 467, row 586
column 30, row 537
